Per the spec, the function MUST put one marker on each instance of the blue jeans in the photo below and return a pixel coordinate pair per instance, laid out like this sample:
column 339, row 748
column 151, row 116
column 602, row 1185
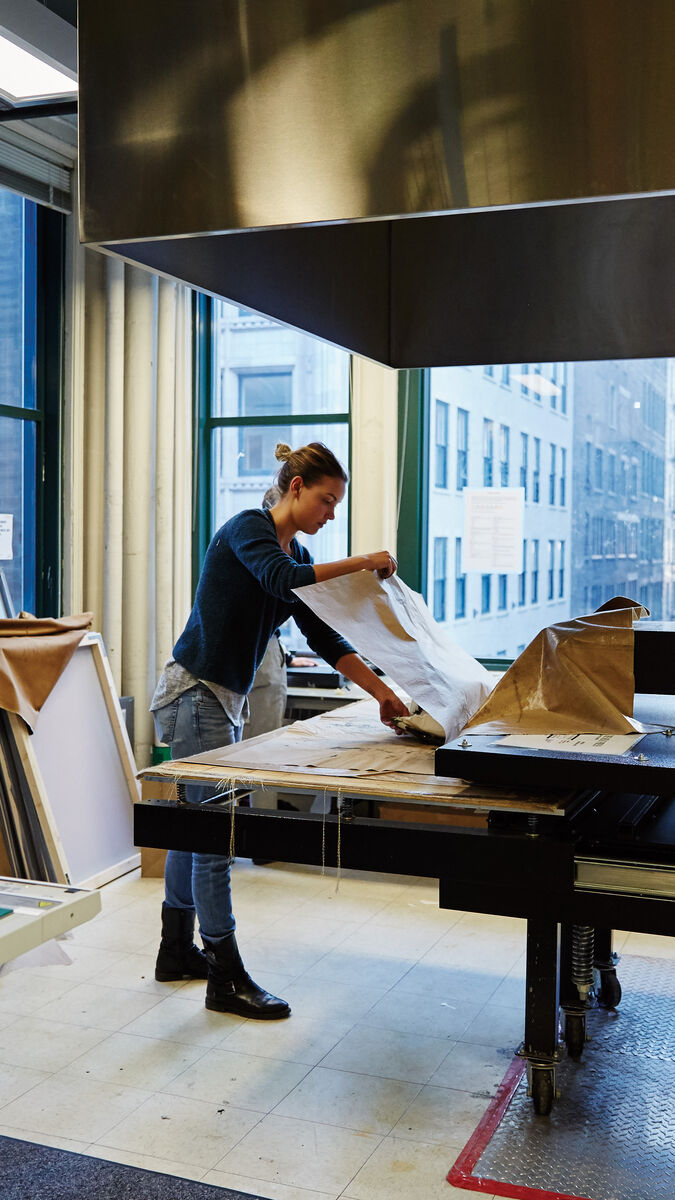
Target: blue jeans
column 197, row 721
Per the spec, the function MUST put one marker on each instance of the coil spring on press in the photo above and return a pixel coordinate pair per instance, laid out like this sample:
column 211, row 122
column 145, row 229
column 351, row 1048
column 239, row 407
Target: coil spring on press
column 583, row 952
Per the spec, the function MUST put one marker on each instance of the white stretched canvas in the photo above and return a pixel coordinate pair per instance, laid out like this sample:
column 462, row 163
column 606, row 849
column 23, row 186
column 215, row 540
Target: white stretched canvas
column 83, row 764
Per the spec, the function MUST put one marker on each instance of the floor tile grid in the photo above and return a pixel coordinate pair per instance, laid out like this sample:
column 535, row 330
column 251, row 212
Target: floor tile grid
column 365, row 919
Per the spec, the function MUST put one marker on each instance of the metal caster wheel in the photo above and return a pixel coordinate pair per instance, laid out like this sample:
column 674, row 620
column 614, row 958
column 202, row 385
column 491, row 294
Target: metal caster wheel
column 575, row 1034
column 609, row 992
column 542, row 1087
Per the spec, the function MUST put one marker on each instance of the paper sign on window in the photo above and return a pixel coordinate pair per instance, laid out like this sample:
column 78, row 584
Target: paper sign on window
column 6, row 529
column 493, row 529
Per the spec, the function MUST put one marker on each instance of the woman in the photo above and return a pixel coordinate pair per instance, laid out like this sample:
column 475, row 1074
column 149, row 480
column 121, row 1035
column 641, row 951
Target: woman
column 244, row 594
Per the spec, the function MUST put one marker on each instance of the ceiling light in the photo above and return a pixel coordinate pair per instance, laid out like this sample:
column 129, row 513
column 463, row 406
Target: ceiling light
column 38, row 53
column 23, row 77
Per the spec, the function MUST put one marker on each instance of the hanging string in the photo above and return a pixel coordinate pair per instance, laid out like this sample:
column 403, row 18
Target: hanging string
column 339, row 840
column 323, row 832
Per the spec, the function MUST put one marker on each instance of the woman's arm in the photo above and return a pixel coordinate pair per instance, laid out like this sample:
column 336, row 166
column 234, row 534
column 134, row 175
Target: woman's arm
column 382, row 562
column 353, row 666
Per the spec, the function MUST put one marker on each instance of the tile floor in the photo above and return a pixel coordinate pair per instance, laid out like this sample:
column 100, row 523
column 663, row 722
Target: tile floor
column 404, row 1021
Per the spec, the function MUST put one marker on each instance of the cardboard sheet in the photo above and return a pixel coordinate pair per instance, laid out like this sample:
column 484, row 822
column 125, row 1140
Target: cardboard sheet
column 34, row 651
column 356, row 746
column 392, row 626
column 574, row 677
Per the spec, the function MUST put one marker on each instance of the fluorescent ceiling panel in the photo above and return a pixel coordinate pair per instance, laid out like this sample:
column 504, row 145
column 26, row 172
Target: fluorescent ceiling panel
column 23, row 77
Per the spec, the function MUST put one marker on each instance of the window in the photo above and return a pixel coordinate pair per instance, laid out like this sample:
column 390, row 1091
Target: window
column 536, row 471
column 534, row 592
column 506, row 375
column 563, row 389
column 504, row 438
column 442, row 418
column 552, row 476
column 271, row 384
column 489, row 371
column 261, row 395
column 522, row 578
column 462, row 449
column 440, row 569
column 31, row 275
column 488, row 452
column 611, row 471
column 599, row 478
column 460, row 582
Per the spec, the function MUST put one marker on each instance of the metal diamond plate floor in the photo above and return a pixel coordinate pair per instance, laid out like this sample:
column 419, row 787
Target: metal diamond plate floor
column 611, row 1135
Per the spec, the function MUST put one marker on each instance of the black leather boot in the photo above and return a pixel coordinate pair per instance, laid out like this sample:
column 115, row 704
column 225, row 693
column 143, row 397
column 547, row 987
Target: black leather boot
column 230, row 989
column 178, row 956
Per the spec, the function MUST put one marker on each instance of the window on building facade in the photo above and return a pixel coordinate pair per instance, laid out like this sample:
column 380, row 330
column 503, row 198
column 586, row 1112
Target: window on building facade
column 485, row 599
column 504, row 455
column 611, row 471
column 551, row 569
column 506, row 375
column 552, row 474
column 488, row 452
column 462, row 449
column 534, row 588
column 502, row 588
column 442, row 425
column 460, row 582
column 608, row 484
column 536, row 471
column 440, row 575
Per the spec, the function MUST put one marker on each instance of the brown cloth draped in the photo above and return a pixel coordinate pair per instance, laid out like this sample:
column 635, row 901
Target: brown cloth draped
column 574, row 677
column 34, row 651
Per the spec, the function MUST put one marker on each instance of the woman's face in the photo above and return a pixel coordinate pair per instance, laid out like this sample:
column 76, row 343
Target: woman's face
column 315, row 504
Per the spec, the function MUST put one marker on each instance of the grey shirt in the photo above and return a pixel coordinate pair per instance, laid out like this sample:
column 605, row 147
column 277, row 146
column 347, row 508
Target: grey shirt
column 175, row 680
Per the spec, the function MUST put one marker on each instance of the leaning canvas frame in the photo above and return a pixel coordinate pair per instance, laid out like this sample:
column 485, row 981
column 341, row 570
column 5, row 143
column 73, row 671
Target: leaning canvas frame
column 86, row 809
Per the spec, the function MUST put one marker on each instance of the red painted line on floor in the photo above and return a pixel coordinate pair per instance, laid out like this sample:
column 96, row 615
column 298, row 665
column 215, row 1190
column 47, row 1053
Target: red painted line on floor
column 460, row 1175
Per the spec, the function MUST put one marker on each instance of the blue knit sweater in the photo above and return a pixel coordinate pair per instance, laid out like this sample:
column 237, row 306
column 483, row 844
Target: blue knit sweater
column 243, row 595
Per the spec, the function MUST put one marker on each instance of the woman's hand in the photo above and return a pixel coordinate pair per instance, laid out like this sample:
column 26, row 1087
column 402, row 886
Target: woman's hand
column 390, row 707
column 382, row 562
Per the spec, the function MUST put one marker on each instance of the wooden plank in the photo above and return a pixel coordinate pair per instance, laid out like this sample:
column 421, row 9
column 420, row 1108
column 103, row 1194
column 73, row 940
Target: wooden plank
column 116, row 715
column 43, row 808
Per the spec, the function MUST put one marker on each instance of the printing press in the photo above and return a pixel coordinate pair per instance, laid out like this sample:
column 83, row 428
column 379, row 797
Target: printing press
column 577, row 845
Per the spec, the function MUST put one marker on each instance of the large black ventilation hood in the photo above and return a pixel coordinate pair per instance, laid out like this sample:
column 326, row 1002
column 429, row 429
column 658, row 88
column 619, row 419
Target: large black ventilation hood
column 424, row 182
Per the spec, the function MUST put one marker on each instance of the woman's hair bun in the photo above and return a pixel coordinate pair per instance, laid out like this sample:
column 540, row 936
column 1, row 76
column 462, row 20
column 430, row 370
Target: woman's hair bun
column 283, row 451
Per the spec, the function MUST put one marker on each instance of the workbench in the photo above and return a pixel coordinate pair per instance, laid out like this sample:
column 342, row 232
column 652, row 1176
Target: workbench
column 574, row 861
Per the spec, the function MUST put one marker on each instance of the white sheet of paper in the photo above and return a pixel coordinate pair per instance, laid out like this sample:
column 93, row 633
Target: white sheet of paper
column 493, row 529
column 6, row 530
column 389, row 623
column 575, row 743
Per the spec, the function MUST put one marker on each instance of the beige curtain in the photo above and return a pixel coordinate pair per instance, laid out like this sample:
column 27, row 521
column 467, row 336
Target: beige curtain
column 128, row 462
